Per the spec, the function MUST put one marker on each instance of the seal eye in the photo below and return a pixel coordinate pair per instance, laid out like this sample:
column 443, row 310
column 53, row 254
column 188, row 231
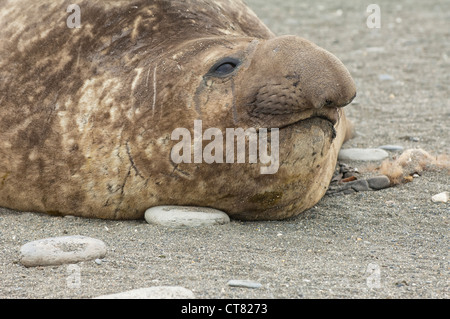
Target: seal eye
column 224, row 67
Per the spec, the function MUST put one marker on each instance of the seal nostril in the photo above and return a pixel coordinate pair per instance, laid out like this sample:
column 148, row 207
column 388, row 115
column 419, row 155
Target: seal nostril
column 328, row 102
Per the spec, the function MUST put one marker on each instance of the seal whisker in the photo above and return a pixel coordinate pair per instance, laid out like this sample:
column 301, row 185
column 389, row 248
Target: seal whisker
column 154, row 89
column 148, row 75
column 78, row 56
column 339, row 114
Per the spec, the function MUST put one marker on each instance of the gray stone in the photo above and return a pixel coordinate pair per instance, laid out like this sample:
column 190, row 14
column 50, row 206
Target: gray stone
column 391, row 148
column 346, row 186
column 362, row 154
column 348, row 191
column 360, row 185
column 61, row 250
column 378, row 182
column 244, row 284
column 158, row 292
column 185, row 216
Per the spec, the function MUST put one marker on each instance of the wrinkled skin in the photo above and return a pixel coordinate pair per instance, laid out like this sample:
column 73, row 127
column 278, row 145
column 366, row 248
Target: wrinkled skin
column 86, row 115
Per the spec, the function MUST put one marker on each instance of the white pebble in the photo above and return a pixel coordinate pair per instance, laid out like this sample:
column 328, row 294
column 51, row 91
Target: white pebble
column 185, row 216
column 392, row 148
column 61, row 250
column 362, row 154
column 441, row 197
column 244, row 284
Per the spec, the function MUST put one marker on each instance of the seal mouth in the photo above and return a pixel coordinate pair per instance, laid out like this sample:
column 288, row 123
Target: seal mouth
column 331, row 115
column 330, row 119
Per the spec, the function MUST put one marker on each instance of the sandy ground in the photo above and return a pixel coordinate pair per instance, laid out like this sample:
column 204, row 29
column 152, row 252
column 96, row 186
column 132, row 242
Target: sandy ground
column 391, row 243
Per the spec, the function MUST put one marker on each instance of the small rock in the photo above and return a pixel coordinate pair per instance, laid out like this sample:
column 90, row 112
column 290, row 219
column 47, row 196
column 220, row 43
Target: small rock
column 348, row 179
column 373, row 183
column 185, row 216
column 441, row 197
column 362, row 154
column 391, row 148
column 378, row 182
column 360, row 185
column 158, row 292
column 98, row 261
column 244, row 284
column 344, row 174
column 61, row 250
column 410, row 138
column 401, row 283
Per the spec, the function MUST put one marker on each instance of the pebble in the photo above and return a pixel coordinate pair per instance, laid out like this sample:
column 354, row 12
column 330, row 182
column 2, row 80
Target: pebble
column 410, row 138
column 61, row 250
column 244, row 284
column 362, row 154
column 441, row 197
column 157, row 292
column 360, row 185
column 348, row 191
column 378, row 182
column 391, row 148
column 185, row 216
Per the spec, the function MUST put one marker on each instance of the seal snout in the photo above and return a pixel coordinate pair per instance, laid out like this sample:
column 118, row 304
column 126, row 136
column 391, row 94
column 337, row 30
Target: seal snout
column 326, row 82
column 299, row 78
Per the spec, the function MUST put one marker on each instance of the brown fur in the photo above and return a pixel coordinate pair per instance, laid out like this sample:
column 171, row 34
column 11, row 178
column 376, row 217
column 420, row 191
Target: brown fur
column 410, row 162
column 86, row 114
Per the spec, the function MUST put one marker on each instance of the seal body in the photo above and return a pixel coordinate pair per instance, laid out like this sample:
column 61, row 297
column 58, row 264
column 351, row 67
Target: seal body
column 87, row 114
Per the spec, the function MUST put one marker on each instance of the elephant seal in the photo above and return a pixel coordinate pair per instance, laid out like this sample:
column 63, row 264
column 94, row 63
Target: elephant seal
column 87, row 113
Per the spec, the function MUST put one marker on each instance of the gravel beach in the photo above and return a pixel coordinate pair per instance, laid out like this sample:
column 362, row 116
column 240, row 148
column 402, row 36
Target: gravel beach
column 391, row 243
